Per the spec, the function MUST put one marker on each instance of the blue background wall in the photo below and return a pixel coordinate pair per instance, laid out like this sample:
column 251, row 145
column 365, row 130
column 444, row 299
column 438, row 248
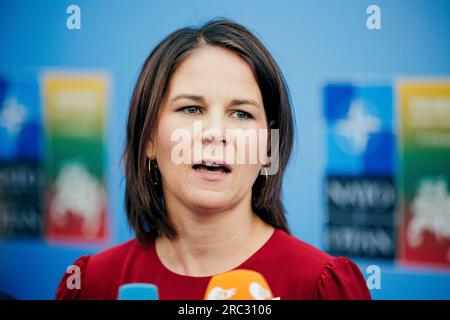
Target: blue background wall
column 313, row 41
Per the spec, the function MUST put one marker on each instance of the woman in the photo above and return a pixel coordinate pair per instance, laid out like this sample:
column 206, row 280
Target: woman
column 207, row 215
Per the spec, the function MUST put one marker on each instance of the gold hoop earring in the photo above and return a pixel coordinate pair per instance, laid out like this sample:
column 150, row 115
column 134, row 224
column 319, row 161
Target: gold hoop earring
column 265, row 174
column 156, row 182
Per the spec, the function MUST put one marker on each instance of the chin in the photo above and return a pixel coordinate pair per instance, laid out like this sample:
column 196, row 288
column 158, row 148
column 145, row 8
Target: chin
column 209, row 200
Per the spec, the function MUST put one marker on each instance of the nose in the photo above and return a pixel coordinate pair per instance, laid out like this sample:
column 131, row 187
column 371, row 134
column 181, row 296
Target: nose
column 213, row 136
column 214, row 129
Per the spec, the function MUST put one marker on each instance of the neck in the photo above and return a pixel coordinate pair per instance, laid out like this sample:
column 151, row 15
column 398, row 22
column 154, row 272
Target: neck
column 211, row 243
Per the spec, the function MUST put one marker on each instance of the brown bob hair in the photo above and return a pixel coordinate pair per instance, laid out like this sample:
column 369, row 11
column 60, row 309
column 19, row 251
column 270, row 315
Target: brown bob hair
column 144, row 200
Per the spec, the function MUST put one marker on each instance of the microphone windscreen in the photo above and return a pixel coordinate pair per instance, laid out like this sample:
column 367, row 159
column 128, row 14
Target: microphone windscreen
column 238, row 285
column 138, row 291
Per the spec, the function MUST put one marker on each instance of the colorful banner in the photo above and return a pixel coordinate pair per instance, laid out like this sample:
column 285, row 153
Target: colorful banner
column 21, row 163
column 424, row 176
column 75, row 107
column 360, row 191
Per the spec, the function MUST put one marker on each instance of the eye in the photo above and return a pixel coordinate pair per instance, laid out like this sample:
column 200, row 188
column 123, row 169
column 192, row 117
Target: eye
column 191, row 110
column 242, row 115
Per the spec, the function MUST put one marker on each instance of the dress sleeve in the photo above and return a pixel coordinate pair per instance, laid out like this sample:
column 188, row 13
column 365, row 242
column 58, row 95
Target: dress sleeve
column 64, row 292
column 342, row 280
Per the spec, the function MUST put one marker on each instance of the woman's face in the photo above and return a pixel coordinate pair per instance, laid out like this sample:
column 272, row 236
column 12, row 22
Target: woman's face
column 211, row 95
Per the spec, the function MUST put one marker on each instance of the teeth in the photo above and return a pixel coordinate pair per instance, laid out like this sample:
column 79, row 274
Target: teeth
column 211, row 164
column 222, row 169
column 212, row 167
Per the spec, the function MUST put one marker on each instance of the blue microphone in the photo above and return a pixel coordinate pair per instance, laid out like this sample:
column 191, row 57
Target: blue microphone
column 138, row 291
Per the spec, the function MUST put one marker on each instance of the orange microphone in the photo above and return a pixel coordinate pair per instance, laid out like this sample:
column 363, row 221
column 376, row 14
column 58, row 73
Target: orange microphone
column 238, row 284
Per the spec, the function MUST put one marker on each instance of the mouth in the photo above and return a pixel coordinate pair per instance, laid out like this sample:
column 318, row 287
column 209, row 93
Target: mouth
column 212, row 166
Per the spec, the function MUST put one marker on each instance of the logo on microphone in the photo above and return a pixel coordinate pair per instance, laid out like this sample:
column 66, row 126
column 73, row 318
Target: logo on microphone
column 238, row 285
column 219, row 293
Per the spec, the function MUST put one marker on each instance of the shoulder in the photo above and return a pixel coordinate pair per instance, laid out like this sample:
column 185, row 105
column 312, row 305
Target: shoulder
column 107, row 269
column 313, row 273
column 300, row 257
column 100, row 274
column 115, row 255
column 70, row 285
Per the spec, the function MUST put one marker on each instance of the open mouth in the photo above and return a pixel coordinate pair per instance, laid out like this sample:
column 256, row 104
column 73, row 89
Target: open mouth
column 212, row 167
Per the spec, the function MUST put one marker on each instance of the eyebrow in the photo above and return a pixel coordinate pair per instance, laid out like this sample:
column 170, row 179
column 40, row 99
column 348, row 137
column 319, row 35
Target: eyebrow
column 201, row 99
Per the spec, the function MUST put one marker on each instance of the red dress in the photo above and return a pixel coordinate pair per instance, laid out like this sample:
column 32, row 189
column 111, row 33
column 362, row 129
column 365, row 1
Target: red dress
column 292, row 269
